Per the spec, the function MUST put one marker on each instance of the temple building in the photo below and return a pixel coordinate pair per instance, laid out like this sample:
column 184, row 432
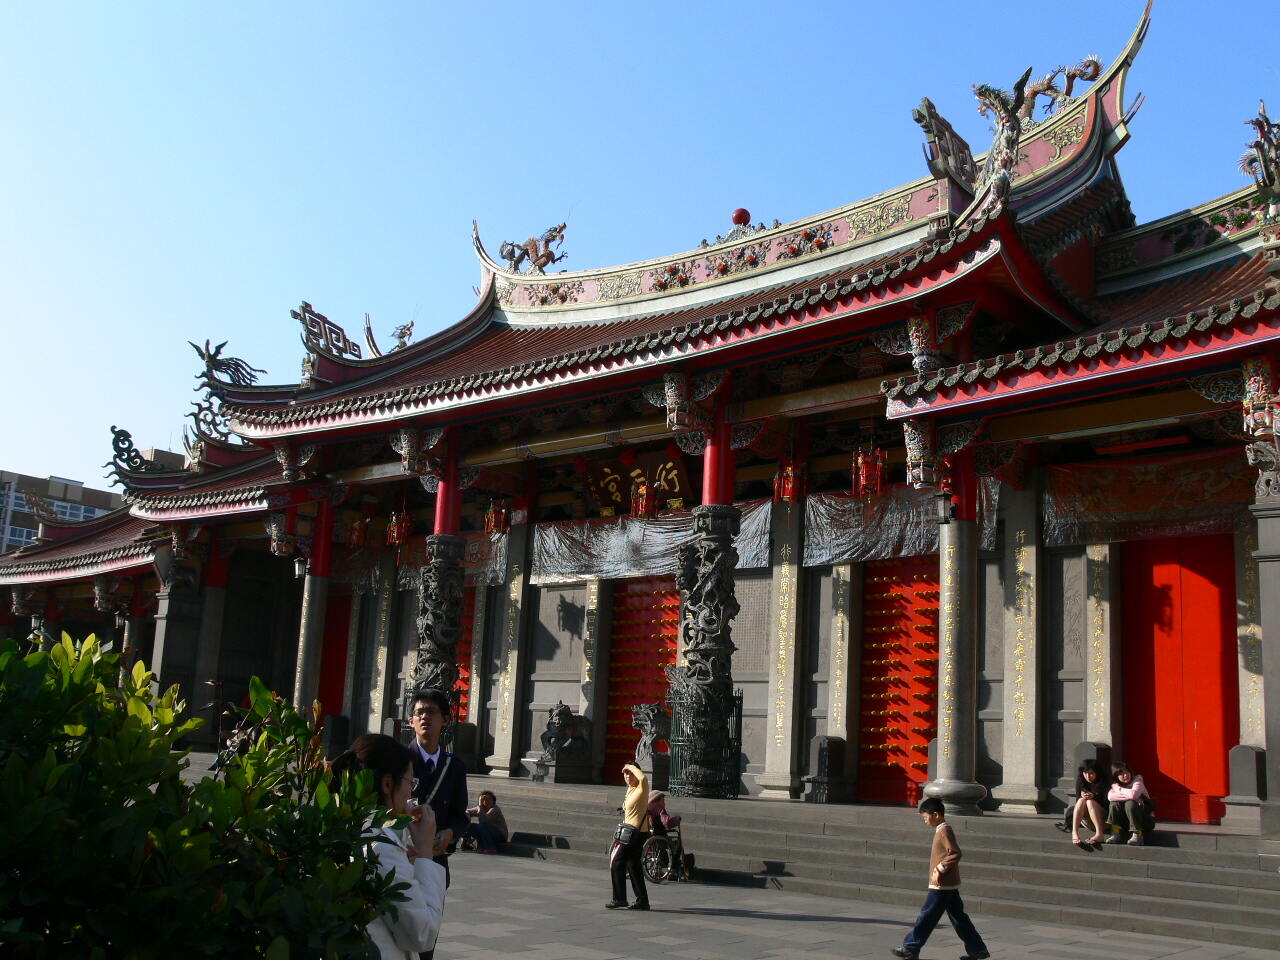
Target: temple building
column 954, row 485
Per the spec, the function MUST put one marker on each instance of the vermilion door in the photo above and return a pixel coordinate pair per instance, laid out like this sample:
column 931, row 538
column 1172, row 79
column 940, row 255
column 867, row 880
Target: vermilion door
column 646, row 624
column 1179, row 682
column 462, row 657
column 898, row 713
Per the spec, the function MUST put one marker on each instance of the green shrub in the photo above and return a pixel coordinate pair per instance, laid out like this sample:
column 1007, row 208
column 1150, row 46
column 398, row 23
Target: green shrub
column 106, row 852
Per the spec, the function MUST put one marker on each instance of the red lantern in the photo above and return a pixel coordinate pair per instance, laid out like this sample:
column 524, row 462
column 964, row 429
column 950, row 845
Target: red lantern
column 496, row 518
column 868, row 472
column 627, row 456
column 784, row 484
column 399, row 527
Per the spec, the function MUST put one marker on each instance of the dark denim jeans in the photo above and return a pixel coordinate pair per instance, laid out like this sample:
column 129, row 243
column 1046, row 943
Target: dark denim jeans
column 936, row 904
column 487, row 836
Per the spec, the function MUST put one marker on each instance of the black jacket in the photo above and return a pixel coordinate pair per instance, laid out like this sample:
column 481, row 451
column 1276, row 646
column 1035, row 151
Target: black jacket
column 1098, row 788
column 450, row 799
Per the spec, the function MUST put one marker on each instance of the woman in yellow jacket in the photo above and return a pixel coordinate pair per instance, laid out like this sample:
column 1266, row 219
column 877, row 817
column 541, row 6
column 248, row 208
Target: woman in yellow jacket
column 624, row 857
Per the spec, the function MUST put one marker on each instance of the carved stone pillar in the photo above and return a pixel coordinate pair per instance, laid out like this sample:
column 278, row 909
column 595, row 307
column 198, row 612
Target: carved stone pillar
column 593, row 697
column 1020, row 791
column 781, row 775
column 1102, row 712
column 209, row 644
column 702, row 685
column 508, row 684
column 384, row 599
column 958, row 652
column 315, row 605
column 177, row 635
column 1266, row 509
column 479, row 637
column 439, row 620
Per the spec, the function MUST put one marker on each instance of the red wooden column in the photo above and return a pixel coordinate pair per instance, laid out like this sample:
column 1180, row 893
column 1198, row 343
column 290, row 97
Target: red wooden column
column 448, row 496
column 718, row 461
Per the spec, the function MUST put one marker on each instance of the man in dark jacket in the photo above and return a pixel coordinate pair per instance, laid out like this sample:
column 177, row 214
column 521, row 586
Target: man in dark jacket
column 442, row 777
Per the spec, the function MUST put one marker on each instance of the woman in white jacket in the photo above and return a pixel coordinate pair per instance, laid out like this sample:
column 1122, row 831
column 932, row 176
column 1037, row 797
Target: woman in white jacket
column 416, row 923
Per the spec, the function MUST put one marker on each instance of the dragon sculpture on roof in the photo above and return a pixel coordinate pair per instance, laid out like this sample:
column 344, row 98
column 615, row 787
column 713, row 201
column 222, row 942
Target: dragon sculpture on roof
column 1262, row 161
column 539, row 251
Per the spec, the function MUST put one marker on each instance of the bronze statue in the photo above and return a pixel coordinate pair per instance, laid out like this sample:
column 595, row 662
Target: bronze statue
column 538, row 251
column 565, row 729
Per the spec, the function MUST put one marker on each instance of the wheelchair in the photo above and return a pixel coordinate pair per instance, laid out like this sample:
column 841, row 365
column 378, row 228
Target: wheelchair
column 662, row 856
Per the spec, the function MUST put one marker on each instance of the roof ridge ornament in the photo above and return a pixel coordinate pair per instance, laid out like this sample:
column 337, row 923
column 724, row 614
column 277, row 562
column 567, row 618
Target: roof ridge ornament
column 322, row 335
column 997, row 172
column 1262, row 161
column 127, row 458
column 539, row 251
column 219, row 371
column 1088, row 70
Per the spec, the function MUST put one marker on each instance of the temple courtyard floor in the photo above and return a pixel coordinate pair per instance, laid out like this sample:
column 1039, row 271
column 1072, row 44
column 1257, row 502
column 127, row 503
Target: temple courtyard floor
column 502, row 906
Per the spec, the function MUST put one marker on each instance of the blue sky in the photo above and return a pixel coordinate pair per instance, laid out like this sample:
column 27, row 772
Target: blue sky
column 178, row 172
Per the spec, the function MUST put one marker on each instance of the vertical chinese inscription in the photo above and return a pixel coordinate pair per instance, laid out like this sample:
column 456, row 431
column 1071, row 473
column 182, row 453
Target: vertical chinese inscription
column 950, row 628
column 590, row 633
column 839, row 650
column 1249, row 641
column 1098, row 651
column 785, row 640
column 1023, row 640
column 509, row 639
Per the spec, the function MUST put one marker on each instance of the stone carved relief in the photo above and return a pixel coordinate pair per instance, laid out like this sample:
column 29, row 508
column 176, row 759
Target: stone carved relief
column 439, row 621
column 619, row 287
column 881, row 217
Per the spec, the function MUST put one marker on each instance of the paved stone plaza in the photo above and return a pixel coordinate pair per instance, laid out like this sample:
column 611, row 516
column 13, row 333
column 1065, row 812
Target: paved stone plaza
column 508, row 907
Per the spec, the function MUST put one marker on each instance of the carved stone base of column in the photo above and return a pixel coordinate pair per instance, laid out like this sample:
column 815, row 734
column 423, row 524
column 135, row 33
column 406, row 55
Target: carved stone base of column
column 961, row 797
column 1019, row 798
column 779, row 786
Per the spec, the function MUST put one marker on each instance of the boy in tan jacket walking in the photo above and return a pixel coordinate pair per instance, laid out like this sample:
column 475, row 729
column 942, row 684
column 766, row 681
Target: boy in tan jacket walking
column 944, row 890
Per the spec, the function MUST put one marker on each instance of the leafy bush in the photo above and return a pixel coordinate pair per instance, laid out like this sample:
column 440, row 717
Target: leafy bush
column 106, row 852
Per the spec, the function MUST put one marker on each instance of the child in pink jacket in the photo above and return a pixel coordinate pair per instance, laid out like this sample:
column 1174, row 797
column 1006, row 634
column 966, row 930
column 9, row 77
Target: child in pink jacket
column 1126, row 810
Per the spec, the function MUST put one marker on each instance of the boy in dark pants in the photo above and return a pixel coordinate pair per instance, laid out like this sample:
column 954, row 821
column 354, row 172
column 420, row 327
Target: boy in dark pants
column 944, row 890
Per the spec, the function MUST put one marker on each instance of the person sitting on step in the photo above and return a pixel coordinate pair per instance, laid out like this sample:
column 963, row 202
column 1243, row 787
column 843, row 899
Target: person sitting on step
column 490, row 828
column 1091, row 787
column 1126, row 809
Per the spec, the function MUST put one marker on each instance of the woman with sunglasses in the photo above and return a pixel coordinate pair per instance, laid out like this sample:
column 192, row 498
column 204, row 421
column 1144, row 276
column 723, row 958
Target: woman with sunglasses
column 416, row 922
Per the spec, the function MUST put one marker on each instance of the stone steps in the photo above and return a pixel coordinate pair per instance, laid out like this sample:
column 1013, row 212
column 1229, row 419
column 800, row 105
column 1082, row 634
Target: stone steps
column 1197, row 884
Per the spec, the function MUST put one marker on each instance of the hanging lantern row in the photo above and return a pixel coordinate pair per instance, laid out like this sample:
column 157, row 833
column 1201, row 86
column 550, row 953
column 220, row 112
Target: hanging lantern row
column 868, row 472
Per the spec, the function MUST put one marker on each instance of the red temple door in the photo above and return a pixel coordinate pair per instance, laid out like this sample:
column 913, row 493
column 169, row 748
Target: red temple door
column 462, row 656
column 646, row 626
column 898, row 712
column 1180, row 710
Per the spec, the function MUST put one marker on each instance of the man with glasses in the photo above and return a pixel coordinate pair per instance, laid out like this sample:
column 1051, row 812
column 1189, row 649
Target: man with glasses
column 442, row 777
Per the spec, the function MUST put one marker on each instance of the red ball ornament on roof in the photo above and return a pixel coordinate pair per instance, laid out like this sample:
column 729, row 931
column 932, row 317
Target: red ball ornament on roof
column 742, row 216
